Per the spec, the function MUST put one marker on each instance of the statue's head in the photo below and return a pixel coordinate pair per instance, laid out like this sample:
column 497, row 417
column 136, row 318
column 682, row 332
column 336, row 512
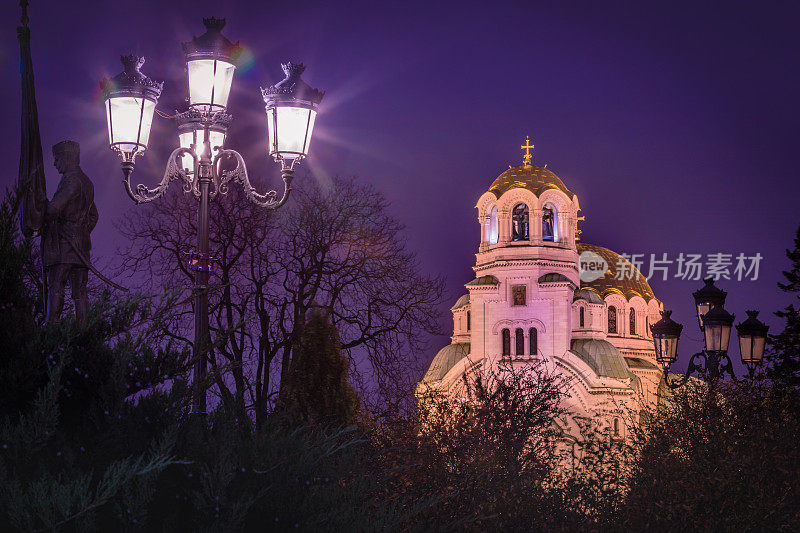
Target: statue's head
column 66, row 155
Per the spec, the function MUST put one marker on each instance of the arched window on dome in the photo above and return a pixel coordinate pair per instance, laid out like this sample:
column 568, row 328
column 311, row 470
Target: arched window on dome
column 506, row 334
column 633, row 322
column 549, row 225
column 582, row 314
column 519, row 223
column 519, row 338
column 612, row 319
column 493, row 229
column 533, row 339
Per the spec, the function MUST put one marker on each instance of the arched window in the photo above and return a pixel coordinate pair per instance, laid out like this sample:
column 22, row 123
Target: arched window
column 469, row 321
column 616, row 427
column 633, row 322
column 506, row 342
column 549, row 226
column 493, row 233
column 519, row 223
column 612, row 319
column 582, row 316
column 519, row 341
column 533, row 339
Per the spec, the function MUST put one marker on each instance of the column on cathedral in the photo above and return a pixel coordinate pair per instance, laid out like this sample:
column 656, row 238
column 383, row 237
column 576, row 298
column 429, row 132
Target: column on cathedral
column 504, row 225
column 536, row 226
column 484, row 242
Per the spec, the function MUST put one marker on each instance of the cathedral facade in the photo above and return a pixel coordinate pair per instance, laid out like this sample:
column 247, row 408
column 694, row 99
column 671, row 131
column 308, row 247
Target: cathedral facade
column 528, row 305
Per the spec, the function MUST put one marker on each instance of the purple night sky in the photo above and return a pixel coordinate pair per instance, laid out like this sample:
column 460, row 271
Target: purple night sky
column 676, row 126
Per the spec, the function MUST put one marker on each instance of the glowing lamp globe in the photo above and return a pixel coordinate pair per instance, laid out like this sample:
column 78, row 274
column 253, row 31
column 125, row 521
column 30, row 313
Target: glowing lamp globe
column 210, row 64
column 130, row 100
column 291, row 106
column 192, row 136
column 752, row 338
column 666, row 333
column 717, row 325
column 707, row 298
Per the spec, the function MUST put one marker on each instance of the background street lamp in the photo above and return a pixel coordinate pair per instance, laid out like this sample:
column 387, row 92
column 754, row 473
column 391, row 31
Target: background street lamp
column 707, row 298
column 715, row 323
column 130, row 101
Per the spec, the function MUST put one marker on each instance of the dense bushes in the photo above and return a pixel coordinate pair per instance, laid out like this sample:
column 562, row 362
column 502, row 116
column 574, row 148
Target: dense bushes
column 94, row 435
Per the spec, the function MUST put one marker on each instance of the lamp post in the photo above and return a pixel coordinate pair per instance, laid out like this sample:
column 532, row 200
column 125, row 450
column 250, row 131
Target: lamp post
column 130, row 101
column 715, row 323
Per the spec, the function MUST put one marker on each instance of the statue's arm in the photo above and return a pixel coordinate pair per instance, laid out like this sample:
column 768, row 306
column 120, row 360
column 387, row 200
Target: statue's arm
column 93, row 216
column 64, row 195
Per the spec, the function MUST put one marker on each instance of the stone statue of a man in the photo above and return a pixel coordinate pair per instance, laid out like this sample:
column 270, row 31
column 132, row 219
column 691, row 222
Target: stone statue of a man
column 68, row 219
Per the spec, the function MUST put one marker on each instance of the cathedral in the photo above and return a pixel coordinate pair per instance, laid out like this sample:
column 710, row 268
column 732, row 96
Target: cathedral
column 538, row 298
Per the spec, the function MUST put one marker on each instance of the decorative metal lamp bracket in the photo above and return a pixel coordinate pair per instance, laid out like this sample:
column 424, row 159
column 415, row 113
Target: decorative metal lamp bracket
column 723, row 366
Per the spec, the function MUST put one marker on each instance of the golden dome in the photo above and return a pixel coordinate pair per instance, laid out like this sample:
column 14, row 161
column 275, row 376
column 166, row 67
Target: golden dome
column 535, row 179
column 637, row 285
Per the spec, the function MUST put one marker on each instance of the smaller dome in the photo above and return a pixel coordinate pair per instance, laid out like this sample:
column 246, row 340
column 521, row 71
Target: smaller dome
column 602, row 356
column 461, row 302
column 631, row 285
column 587, row 295
column 535, row 179
column 445, row 360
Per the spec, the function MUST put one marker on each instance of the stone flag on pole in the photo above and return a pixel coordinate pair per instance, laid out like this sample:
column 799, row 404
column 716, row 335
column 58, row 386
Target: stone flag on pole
column 31, row 181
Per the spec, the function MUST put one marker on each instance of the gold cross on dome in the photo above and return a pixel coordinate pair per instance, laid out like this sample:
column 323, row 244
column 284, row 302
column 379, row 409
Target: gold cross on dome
column 526, row 161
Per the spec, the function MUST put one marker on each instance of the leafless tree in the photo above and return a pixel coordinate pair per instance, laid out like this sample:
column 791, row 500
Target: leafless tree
column 335, row 246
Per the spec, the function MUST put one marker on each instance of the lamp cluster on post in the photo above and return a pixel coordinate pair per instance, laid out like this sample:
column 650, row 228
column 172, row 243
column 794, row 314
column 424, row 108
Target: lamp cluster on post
column 716, row 324
column 130, row 102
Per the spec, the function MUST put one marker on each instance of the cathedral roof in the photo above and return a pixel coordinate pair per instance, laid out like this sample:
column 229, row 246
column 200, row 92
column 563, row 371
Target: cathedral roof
column 535, row 179
column 483, row 280
column 602, row 356
column 637, row 285
column 445, row 360
column 553, row 277
column 638, row 362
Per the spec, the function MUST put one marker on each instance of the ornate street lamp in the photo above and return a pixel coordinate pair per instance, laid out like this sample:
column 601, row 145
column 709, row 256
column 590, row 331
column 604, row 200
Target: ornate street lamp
column 210, row 64
column 130, row 100
column 752, row 339
column 713, row 361
column 666, row 333
column 717, row 325
column 707, row 298
column 291, row 112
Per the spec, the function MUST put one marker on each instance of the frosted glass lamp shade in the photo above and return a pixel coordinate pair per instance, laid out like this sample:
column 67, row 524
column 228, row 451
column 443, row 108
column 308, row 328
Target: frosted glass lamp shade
column 209, row 83
column 195, row 139
column 129, row 120
column 130, row 101
column 290, row 131
column 666, row 333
